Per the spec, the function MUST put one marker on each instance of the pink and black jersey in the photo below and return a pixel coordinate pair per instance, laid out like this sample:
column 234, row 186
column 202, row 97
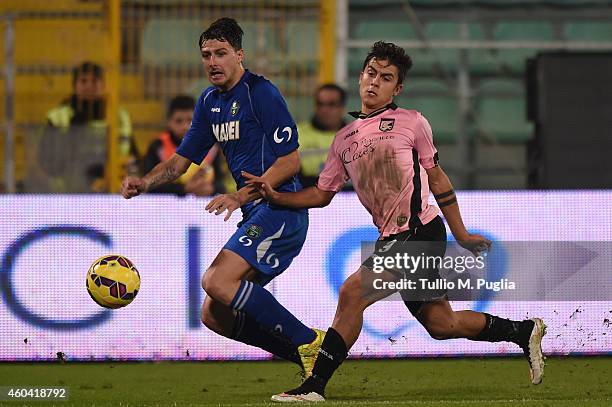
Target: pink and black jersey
column 385, row 154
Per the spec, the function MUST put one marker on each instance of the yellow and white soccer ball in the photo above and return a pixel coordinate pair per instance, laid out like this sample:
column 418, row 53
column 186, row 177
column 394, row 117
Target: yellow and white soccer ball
column 113, row 281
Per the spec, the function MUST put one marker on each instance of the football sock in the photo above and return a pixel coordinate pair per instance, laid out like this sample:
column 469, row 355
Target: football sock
column 261, row 306
column 331, row 355
column 247, row 330
column 500, row 329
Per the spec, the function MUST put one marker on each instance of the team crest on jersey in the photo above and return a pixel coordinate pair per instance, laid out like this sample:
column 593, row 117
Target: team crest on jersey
column 386, row 124
column 254, row 231
column 401, row 220
column 235, row 107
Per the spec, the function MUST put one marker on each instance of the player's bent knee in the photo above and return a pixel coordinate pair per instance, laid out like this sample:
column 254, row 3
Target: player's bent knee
column 348, row 291
column 206, row 280
column 211, row 284
column 351, row 294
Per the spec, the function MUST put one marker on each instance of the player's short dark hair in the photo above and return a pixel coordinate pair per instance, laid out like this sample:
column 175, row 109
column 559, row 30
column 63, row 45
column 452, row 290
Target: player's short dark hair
column 85, row 68
column 181, row 102
column 336, row 88
column 387, row 51
column 224, row 29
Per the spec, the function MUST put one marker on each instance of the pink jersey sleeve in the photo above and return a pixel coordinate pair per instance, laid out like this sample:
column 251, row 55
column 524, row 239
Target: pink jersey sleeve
column 423, row 143
column 334, row 176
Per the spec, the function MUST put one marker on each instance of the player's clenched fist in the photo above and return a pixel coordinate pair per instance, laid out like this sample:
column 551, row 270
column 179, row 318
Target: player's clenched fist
column 475, row 243
column 132, row 186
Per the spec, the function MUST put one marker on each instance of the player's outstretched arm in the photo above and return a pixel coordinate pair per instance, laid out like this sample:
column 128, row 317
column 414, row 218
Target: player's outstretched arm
column 162, row 173
column 283, row 169
column 311, row 197
column 442, row 189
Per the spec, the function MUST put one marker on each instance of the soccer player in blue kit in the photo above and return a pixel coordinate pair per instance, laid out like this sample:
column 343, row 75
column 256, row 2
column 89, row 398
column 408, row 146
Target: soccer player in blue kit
column 248, row 117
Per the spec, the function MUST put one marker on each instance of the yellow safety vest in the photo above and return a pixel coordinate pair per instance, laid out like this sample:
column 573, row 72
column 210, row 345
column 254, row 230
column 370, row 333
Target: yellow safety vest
column 314, row 145
column 60, row 117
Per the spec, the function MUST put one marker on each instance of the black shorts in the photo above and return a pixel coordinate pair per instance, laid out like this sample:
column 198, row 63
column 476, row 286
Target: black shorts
column 434, row 231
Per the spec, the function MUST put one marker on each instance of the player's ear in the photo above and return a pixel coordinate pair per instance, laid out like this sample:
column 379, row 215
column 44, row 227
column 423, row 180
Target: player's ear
column 240, row 54
column 398, row 89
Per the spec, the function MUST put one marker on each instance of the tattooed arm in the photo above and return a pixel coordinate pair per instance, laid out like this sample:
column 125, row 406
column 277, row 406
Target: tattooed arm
column 161, row 174
column 443, row 191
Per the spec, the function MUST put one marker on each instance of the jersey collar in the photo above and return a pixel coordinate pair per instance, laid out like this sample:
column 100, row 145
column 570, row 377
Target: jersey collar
column 360, row 115
column 243, row 78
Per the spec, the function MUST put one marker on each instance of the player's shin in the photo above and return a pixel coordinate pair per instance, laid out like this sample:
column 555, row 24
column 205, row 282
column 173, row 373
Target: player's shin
column 331, row 355
column 527, row 334
column 262, row 307
column 250, row 332
column 498, row 329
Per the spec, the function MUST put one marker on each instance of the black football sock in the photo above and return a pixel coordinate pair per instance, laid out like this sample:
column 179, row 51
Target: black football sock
column 331, row 355
column 249, row 331
column 500, row 329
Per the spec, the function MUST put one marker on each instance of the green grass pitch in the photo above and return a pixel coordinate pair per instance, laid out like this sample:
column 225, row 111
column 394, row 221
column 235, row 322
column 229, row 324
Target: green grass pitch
column 442, row 382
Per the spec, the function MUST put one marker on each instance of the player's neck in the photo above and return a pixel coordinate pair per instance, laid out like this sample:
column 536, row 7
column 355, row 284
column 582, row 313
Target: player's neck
column 367, row 110
column 229, row 86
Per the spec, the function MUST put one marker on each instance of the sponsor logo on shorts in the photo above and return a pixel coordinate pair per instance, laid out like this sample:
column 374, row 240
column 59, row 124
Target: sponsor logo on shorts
column 386, row 124
column 254, row 231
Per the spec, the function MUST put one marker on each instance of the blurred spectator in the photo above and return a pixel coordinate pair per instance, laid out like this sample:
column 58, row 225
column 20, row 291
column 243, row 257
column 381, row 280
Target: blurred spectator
column 76, row 164
column 198, row 180
column 317, row 134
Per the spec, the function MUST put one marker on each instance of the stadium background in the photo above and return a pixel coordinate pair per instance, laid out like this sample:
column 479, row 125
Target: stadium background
column 468, row 79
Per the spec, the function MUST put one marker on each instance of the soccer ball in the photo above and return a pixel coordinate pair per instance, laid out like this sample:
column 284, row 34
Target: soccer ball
column 113, row 281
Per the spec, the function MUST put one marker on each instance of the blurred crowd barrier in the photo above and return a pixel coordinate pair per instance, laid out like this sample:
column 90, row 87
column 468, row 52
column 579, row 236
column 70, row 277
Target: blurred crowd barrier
column 470, row 60
column 42, row 42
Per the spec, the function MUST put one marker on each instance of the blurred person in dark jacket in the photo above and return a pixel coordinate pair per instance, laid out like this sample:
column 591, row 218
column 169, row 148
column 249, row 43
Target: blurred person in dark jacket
column 198, row 180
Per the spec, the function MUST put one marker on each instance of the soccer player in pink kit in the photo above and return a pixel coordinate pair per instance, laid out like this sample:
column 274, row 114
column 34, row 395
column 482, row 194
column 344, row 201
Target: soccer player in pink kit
column 388, row 153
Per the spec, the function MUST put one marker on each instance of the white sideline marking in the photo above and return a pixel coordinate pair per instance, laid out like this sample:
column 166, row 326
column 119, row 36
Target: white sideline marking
column 429, row 402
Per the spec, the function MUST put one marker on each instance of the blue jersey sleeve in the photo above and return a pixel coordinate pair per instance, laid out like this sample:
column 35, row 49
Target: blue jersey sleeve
column 273, row 115
column 199, row 139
